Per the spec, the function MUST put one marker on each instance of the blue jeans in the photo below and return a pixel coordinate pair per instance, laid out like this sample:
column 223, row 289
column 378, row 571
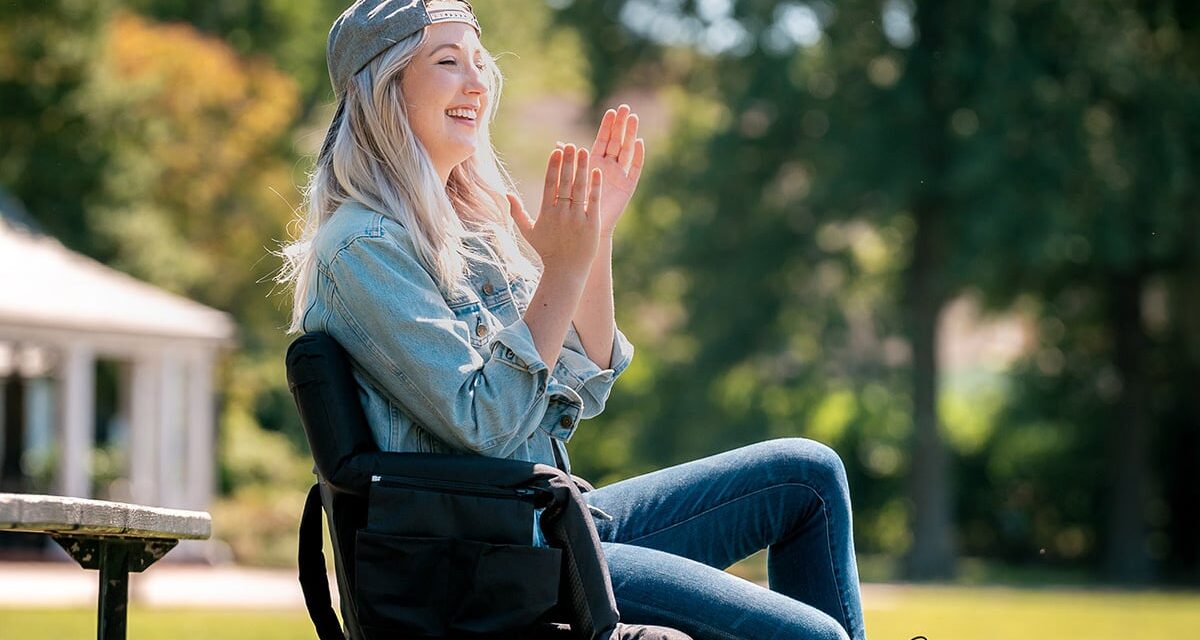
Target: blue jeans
column 674, row 531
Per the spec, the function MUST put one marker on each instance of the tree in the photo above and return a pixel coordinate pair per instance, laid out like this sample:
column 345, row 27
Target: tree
column 50, row 159
column 1116, row 86
column 290, row 32
column 197, row 159
column 808, row 146
column 1012, row 148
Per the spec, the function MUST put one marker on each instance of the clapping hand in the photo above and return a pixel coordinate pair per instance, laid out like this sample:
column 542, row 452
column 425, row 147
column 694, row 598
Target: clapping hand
column 566, row 233
column 620, row 155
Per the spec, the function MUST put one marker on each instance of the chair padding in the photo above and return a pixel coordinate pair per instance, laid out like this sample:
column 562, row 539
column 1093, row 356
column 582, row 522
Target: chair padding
column 322, row 382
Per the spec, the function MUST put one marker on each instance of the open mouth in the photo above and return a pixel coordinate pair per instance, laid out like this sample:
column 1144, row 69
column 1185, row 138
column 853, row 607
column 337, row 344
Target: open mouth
column 464, row 117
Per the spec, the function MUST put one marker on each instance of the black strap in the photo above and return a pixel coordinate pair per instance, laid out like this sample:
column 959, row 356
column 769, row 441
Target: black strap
column 584, row 485
column 314, row 581
column 558, row 459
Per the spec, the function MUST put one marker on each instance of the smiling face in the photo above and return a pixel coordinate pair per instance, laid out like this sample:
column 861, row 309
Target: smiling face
column 446, row 95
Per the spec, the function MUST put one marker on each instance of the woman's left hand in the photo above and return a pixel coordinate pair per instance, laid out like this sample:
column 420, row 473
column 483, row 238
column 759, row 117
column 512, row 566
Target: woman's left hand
column 620, row 155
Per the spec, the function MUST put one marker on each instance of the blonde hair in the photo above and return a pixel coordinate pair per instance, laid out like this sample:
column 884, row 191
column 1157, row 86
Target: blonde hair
column 373, row 157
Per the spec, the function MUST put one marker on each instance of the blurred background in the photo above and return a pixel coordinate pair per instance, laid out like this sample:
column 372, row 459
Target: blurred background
column 959, row 242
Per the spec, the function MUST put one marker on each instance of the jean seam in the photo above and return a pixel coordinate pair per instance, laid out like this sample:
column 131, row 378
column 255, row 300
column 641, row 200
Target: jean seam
column 724, row 504
column 672, row 616
column 837, row 579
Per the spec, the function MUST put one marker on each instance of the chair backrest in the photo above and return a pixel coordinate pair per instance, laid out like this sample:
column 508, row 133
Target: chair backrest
column 321, row 380
column 322, row 383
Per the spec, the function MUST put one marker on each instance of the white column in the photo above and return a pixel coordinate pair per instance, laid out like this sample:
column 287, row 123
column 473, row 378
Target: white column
column 171, row 455
column 77, row 374
column 201, row 426
column 143, row 434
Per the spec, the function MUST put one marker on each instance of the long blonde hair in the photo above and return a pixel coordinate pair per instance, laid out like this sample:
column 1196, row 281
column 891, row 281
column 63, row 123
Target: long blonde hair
column 373, row 157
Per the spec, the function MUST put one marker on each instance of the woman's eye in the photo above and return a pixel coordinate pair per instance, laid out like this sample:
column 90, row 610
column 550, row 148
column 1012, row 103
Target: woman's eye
column 479, row 66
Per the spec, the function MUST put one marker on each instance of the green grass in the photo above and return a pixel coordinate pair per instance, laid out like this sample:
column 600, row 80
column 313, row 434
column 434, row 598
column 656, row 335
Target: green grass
column 893, row 612
column 186, row 624
column 983, row 613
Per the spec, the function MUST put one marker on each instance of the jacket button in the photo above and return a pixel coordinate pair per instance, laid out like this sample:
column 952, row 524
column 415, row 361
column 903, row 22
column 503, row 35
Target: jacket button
column 481, row 330
column 565, row 421
column 488, row 289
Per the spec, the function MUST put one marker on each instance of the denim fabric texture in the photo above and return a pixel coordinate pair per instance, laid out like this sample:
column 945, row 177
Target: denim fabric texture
column 447, row 371
column 673, row 531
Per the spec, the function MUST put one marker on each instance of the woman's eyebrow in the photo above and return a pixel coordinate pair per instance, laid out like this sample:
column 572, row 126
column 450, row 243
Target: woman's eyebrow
column 449, row 46
column 443, row 46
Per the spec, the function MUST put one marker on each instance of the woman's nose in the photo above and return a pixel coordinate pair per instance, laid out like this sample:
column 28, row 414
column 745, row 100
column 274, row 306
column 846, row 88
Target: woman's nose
column 475, row 83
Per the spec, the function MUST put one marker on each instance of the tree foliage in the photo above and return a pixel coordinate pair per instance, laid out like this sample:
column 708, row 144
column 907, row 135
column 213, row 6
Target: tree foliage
column 870, row 161
column 49, row 157
column 197, row 139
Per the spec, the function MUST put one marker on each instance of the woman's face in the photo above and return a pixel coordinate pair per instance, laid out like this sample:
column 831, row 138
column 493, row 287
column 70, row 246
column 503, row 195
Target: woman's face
column 446, row 76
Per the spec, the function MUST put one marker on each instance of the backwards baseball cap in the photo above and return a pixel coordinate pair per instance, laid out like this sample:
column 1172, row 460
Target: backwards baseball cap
column 370, row 27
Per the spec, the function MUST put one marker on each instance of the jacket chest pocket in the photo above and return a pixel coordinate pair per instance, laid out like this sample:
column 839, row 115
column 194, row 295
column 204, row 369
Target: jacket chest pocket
column 478, row 321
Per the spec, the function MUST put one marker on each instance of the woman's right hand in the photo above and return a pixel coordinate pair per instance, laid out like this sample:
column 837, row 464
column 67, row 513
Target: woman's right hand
column 566, row 233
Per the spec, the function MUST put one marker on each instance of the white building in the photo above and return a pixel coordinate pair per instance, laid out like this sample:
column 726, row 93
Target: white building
column 63, row 314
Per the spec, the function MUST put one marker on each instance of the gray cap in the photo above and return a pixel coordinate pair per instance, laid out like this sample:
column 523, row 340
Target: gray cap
column 369, row 27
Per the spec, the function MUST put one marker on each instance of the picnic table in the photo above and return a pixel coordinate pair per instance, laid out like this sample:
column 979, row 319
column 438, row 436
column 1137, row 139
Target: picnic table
column 112, row 537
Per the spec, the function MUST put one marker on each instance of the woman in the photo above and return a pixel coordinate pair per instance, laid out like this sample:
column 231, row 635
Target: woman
column 474, row 328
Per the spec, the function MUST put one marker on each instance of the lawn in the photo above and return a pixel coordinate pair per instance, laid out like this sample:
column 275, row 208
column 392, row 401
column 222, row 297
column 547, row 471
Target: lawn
column 993, row 613
column 897, row 612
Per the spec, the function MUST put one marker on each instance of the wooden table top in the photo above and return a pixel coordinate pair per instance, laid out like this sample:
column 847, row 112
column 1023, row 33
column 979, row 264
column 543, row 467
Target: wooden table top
column 78, row 516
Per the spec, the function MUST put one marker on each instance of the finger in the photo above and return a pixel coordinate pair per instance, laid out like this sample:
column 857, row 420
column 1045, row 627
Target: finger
column 550, row 188
column 612, row 149
column 517, row 211
column 605, row 132
column 639, row 160
column 618, row 132
column 579, row 188
column 631, row 126
column 566, row 173
column 597, row 183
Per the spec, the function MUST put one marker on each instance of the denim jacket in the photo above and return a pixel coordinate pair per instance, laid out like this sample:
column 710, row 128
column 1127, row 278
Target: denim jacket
column 447, row 372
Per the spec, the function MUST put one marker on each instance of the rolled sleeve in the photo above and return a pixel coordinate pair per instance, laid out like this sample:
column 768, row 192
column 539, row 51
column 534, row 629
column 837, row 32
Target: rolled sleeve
column 514, row 345
column 579, row 372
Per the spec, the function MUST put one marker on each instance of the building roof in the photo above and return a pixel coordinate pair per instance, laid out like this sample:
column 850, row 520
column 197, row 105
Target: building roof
column 44, row 285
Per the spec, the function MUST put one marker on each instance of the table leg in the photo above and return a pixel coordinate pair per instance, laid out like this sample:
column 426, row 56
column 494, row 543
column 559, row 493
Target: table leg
column 114, row 557
column 114, row 590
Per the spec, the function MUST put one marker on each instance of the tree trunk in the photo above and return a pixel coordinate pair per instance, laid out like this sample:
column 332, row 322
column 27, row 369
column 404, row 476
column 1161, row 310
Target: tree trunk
column 1188, row 482
column 1126, row 557
column 932, row 554
column 1181, row 483
column 933, row 551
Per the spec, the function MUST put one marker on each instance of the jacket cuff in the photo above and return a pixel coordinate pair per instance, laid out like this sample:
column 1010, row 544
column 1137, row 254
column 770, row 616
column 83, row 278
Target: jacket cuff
column 562, row 412
column 514, row 346
column 619, row 358
column 581, row 373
